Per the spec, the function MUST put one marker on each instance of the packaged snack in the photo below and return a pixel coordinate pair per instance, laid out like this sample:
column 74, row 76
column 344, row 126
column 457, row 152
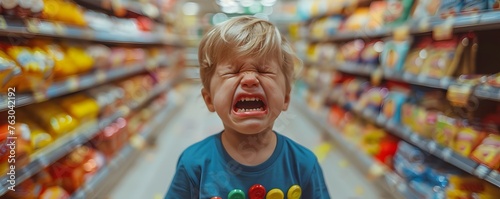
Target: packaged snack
column 394, row 54
column 446, row 131
column 488, row 152
column 388, row 146
column 39, row 137
column 397, row 11
column 36, row 67
column 53, row 118
column 377, row 10
column 425, row 9
column 80, row 106
column 467, row 140
column 493, row 4
column 80, row 59
column 441, row 57
column 351, row 51
column 474, row 6
column 450, row 8
column 418, row 55
column 391, row 108
column 409, row 162
column 63, row 66
column 372, row 99
column 371, row 53
column 357, row 20
column 10, row 72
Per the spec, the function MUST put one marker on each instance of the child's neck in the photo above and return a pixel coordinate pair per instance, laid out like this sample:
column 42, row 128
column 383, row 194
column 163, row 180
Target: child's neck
column 249, row 150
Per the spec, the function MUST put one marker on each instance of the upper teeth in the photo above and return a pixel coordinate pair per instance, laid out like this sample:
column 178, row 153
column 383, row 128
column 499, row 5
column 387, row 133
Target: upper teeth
column 250, row 99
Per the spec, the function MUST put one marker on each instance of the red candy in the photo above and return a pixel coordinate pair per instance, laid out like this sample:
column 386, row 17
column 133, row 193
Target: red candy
column 257, row 191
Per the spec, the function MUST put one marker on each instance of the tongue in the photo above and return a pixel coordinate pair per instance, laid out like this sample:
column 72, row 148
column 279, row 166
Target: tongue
column 249, row 104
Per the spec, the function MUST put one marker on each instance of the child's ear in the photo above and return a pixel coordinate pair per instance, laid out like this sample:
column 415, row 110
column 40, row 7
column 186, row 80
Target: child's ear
column 208, row 99
column 287, row 102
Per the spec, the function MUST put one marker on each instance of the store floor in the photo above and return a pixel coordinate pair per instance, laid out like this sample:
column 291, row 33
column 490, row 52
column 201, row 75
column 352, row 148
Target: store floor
column 150, row 176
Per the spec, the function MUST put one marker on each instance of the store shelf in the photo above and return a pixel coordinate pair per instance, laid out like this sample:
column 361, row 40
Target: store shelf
column 133, row 8
column 389, row 180
column 494, row 178
column 30, row 28
column 421, row 80
column 487, row 92
column 481, row 91
column 74, row 84
column 91, row 188
column 50, row 154
column 355, row 68
column 482, row 21
column 466, row 164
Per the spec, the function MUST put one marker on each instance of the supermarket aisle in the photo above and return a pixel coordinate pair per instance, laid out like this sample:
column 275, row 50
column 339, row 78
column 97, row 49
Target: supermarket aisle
column 150, row 176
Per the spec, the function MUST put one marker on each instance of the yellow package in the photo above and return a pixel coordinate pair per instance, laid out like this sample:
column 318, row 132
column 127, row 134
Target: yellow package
column 9, row 72
column 80, row 106
column 446, row 131
column 82, row 61
column 488, row 152
column 36, row 67
column 63, row 66
column 467, row 140
column 39, row 137
column 53, row 118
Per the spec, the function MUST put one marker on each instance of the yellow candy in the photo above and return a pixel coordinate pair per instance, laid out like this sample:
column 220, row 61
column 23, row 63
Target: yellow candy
column 294, row 192
column 275, row 194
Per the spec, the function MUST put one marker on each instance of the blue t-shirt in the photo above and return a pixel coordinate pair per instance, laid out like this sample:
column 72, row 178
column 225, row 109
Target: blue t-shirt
column 205, row 170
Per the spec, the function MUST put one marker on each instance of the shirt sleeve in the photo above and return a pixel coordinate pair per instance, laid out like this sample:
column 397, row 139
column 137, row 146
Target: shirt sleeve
column 316, row 188
column 181, row 186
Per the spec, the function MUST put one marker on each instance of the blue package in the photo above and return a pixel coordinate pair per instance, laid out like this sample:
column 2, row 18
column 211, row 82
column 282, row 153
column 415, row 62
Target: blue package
column 474, row 6
column 409, row 162
column 450, row 8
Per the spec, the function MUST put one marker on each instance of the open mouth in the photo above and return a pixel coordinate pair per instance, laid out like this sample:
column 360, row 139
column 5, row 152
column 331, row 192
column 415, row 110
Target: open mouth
column 249, row 104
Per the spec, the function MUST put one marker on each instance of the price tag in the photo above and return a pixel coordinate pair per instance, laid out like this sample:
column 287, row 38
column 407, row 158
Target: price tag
column 32, row 25
column 125, row 110
column 59, row 28
column 72, row 83
column 447, row 153
column 39, row 96
column 376, row 170
column 151, row 64
column 481, row 171
column 443, row 31
column 3, row 23
column 432, row 146
column 100, row 76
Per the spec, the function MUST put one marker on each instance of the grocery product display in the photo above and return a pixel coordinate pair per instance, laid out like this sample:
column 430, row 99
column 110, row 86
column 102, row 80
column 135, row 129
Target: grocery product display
column 80, row 86
column 422, row 74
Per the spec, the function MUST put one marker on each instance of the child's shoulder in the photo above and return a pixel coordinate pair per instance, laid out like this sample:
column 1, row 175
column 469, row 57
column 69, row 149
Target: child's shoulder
column 298, row 150
column 200, row 151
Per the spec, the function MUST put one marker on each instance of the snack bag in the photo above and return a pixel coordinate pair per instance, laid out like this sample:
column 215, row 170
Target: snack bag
column 474, row 6
column 397, row 11
column 53, row 118
column 391, row 108
column 450, row 8
column 425, row 9
column 39, row 137
column 371, row 53
column 10, row 72
column 36, row 67
column 80, row 106
column 467, row 140
column 442, row 55
column 488, row 152
column 417, row 56
column 446, row 131
column 394, row 54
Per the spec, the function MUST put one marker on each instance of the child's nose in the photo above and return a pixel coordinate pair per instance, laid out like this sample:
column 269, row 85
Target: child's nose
column 249, row 79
